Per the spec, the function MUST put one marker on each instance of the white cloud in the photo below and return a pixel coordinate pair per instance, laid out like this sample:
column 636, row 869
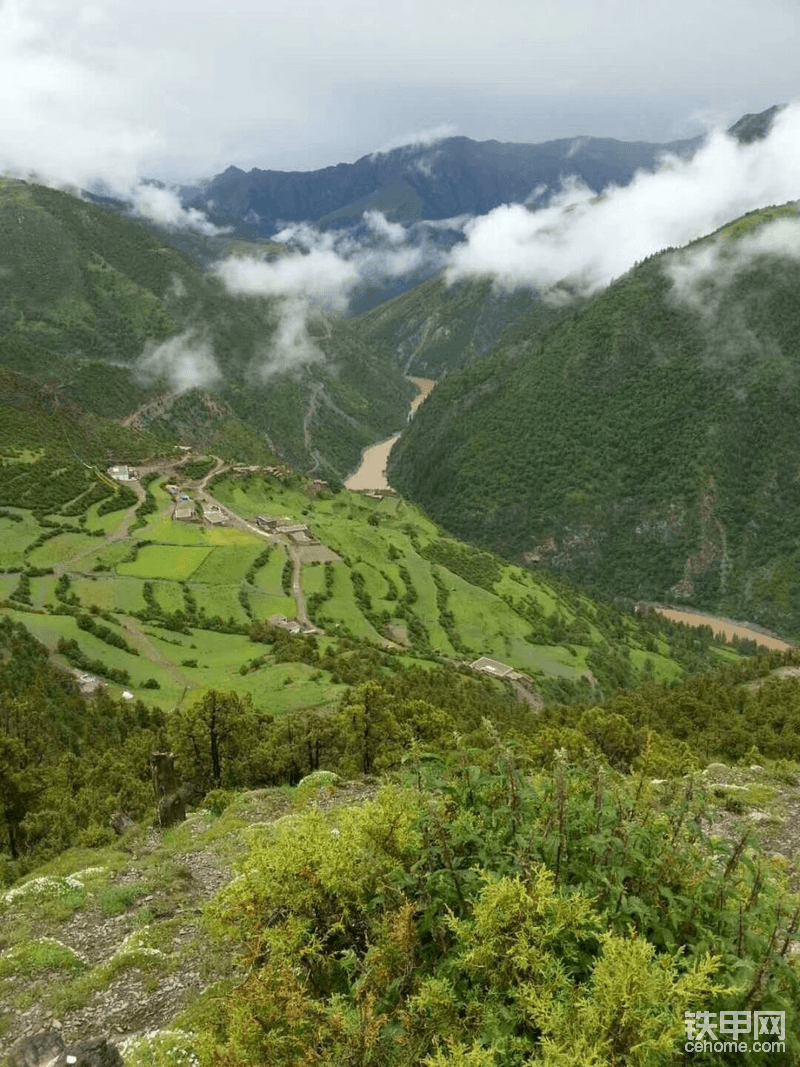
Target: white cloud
column 393, row 232
column 319, row 280
column 66, row 118
column 292, row 346
column 186, row 361
column 701, row 273
column 420, row 139
column 590, row 240
column 163, row 206
column 105, row 88
column 320, row 276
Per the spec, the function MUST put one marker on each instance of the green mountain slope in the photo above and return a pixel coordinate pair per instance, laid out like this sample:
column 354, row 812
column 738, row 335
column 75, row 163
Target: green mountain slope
column 85, row 292
column 435, row 328
column 647, row 446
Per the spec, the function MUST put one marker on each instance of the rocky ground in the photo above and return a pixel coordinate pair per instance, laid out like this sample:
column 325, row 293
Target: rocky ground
column 111, row 941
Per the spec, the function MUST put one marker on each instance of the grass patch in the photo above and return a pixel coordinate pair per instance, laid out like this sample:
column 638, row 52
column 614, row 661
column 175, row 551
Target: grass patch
column 116, row 899
column 165, row 561
column 226, row 566
column 60, row 548
column 43, row 954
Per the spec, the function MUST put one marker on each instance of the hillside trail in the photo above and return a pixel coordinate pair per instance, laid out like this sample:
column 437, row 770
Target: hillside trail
column 152, row 653
column 153, row 408
column 297, row 588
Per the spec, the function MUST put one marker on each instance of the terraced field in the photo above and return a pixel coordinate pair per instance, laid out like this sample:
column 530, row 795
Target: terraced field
column 388, row 587
column 164, row 608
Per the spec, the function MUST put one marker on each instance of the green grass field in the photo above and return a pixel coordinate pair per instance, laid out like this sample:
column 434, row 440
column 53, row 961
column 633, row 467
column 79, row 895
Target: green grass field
column 219, row 600
column 165, row 561
column 342, row 611
column 226, row 566
column 107, row 523
column 110, row 593
column 266, row 604
column 61, row 548
column 15, row 538
column 268, row 577
column 380, row 539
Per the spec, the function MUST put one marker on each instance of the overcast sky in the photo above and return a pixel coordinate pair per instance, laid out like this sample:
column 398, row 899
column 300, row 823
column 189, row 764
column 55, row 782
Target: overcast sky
column 120, row 89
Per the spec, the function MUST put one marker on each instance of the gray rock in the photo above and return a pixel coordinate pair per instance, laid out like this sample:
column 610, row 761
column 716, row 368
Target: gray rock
column 39, row 1050
column 47, row 1049
column 120, row 822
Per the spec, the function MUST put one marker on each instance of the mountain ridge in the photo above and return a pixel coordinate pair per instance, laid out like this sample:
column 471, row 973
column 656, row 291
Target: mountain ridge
column 450, row 177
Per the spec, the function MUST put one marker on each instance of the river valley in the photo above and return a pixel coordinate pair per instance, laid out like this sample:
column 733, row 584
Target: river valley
column 371, row 473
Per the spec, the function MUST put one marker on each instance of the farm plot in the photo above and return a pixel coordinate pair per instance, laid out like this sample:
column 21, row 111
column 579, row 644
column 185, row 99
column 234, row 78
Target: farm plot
column 106, row 557
column 268, row 577
column 15, row 538
column 107, row 523
column 167, row 531
column 165, row 561
column 285, row 688
column 342, row 609
column 265, row 604
column 169, row 596
column 425, row 607
column 488, row 626
column 219, row 600
column 516, row 583
column 8, row 583
column 111, row 593
column 61, row 548
column 313, row 579
column 49, row 628
column 43, row 591
column 226, row 565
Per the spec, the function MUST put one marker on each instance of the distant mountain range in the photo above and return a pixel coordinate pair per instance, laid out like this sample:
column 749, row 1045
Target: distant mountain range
column 453, row 176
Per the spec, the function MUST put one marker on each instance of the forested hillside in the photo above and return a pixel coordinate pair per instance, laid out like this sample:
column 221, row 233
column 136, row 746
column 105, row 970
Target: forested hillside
column 435, row 327
column 111, row 317
column 648, row 445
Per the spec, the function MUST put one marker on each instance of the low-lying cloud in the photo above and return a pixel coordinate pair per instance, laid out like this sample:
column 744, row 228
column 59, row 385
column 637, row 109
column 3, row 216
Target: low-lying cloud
column 704, row 278
column 588, row 240
column 162, row 205
column 186, row 361
column 713, row 263
column 318, row 276
column 421, row 139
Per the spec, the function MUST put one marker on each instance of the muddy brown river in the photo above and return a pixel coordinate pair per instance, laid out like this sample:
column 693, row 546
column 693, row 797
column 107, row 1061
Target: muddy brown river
column 371, row 473
column 728, row 627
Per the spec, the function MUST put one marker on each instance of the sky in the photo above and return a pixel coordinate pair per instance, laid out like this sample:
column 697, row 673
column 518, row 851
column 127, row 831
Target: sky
column 118, row 90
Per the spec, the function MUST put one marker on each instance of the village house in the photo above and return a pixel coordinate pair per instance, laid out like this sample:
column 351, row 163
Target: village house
column 292, row 625
column 123, row 473
column 494, row 667
column 214, row 515
column 303, row 537
column 270, row 523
